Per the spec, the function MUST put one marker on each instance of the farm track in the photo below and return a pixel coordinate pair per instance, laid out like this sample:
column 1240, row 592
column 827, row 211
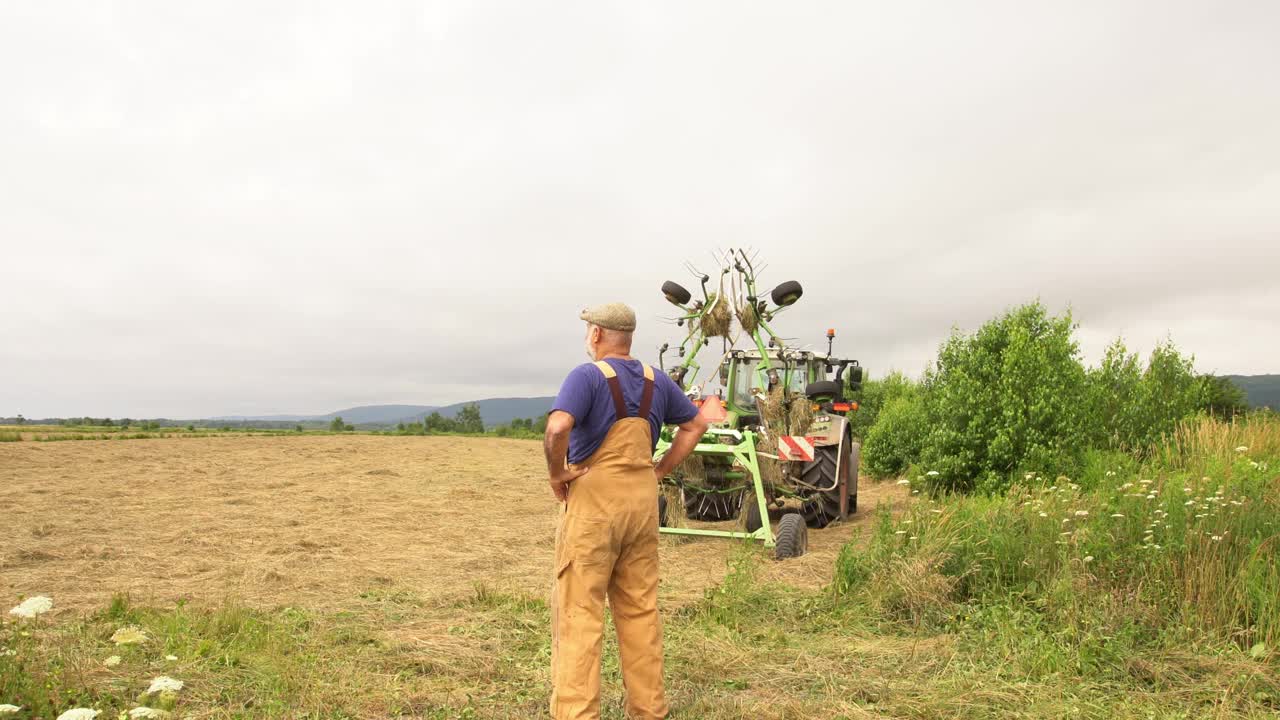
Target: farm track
column 313, row 521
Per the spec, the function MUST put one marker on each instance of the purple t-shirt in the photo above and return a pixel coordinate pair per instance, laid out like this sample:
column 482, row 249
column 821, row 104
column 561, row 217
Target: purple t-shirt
column 585, row 395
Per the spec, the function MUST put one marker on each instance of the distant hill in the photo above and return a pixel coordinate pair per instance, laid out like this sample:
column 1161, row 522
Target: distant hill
column 1261, row 390
column 384, row 414
column 494, row 411
column 365, row 414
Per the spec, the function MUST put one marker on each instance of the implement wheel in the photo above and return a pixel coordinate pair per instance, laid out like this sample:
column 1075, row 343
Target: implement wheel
column 793, row 537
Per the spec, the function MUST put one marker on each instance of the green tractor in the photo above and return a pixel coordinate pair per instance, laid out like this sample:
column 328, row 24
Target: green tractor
column 779, row 450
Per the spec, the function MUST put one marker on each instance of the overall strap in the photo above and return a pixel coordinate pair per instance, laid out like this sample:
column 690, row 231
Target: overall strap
column 615, row 389
column 646, row 398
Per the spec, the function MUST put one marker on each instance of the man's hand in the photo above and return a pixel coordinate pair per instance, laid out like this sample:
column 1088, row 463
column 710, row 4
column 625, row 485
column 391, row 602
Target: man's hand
column 560, row 481
column 556, row 446
column 681, row 445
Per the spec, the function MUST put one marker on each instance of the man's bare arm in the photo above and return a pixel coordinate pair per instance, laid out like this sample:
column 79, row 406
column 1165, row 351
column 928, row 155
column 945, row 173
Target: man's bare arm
column 555, row 445
column 682, row 444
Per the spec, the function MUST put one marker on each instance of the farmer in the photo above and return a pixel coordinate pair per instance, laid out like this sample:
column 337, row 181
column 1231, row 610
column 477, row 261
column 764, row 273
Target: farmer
column 600, row 439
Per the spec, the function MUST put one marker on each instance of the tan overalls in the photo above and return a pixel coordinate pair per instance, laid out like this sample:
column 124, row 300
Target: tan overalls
column 607, row 543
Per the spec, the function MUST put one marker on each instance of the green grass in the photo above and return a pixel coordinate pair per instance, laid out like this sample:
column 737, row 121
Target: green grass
column 10, row 437
column 960, row 608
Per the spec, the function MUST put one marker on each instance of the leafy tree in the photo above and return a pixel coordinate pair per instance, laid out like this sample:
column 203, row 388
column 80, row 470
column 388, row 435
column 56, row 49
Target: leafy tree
column 336, row 425
column 1115, row 388
column 435, row 422
column 896, row 439
column 297, row 428
column 21, row 420
column 1009, row 396
column 873, row 397
column 1222, row 398
column 468, row 419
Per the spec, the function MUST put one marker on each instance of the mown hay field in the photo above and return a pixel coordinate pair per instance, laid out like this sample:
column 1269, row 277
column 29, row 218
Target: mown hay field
column 306, row 520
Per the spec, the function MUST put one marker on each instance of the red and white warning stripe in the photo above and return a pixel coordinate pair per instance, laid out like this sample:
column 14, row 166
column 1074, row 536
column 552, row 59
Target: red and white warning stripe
column 795, row 447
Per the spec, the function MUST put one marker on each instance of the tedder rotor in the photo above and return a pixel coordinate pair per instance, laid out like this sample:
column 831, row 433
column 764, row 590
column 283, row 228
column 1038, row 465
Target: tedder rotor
column 779, row 450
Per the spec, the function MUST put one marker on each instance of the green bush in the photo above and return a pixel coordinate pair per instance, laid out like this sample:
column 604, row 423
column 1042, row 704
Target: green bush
column 1015, row 397
column 1009, row 396
column 894, row 442
column 874, row 397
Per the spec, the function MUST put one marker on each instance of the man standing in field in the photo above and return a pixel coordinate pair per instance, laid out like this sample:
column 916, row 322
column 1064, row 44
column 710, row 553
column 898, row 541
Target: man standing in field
column 600, row 440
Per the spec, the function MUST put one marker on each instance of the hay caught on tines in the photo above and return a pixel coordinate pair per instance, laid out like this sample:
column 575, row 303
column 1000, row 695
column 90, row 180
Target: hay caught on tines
column 718, row 316
column 748, row 317
column 800, row 415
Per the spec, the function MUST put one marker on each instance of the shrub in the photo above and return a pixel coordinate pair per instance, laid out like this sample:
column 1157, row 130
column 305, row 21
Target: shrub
column 894, row 442
column 874, row 397
column 1010, row 395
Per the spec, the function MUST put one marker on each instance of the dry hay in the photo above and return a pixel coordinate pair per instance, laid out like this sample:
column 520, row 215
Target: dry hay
column 718, row 316
column 310, row 521
column 748, row 317
column 800, row 415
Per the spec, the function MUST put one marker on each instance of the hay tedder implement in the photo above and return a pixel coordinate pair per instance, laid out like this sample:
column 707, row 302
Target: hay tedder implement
column 779, row 449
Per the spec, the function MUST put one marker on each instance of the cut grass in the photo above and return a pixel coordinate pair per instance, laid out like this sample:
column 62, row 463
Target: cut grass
column 746, row 650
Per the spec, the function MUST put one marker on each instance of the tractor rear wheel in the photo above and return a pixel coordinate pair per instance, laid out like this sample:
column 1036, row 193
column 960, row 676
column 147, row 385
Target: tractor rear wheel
column 793, row 537
column 711, row 506
column 823, row 508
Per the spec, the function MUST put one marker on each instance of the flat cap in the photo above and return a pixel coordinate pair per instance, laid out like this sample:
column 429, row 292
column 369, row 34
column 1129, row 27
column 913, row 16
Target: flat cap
column 613, row 316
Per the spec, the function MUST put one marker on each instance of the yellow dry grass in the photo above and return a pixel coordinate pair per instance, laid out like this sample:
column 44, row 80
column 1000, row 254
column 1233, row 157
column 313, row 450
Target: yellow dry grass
column 311, row 521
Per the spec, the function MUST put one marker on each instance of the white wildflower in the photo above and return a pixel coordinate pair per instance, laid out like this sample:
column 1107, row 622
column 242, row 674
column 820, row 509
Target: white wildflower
column 1126, row 486
column 1088, row 558
column 904, row 481
column 164, row 683
column 7, row 652
column 1215, row 538
column 7, row 709
column 936, row 510
column 1111, row 473
column 146, row 712
column 1157, row 547
column 79, row 714
column 170, row 658
column 1189, row 502
column 933, row 473
column 1117, row 515
column 1082, row 513
column 913, row 537
column 1242, row 448
column 32, row 607
column 1144, row 482
column 900, row 532
column 129, row 636
column 1028, row 476
column 1152, row 496
column 907, row 522
column 112, row 661
column 1065, row 533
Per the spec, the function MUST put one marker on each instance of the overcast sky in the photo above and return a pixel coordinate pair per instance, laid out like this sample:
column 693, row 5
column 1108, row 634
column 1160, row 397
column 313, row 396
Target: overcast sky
column 271, row 207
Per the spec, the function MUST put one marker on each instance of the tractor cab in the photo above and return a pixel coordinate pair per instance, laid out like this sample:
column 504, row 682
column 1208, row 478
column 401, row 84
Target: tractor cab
column 748, row 375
